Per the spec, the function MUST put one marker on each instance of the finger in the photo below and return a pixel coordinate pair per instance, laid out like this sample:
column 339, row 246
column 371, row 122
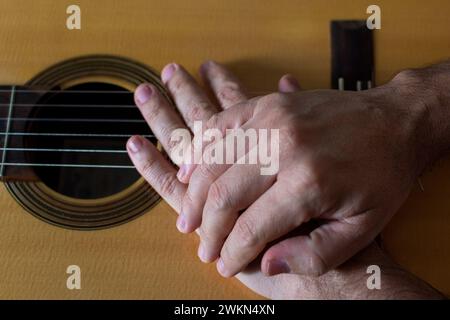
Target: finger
column 288, row 83
column 159, row 114
column 158, row 172
column 274, row 214
column 206, row 173
column 190, row 99
column 225, row 85
column 231, row 118
column 232, row 192
column 323, row 249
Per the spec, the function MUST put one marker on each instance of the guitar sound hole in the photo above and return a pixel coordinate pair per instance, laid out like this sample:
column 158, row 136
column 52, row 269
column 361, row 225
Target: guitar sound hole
column 85, row 139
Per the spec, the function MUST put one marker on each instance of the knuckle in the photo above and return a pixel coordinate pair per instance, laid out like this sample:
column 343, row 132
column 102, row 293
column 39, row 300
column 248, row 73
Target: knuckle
column 203, row 234
column 151, row 112
column 407, row 76
column 206, row 172
column 208, row 237
column 229, row 92
column 165, row 132
column 146, row 169
column 167, row 183
column 270, row 100
column 196, row 111
column 246, row 232
column 170, row 142
column 218, row 196
column 213, row 121
column 188, row 199
column 176, row 83
column 309, row 180
column 227, row 253
column 290, row 136
column 295, row 134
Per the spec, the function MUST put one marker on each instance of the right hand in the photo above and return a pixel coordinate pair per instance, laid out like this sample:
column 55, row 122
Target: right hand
column 346, row 282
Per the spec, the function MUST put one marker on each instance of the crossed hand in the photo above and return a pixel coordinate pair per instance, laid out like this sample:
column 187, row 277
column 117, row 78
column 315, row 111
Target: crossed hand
column 344, row 162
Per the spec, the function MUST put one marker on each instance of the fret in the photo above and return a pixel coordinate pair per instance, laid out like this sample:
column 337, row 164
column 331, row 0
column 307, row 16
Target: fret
column 6, row 135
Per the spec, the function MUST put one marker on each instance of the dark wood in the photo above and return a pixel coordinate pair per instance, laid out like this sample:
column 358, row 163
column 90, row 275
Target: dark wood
column 352, row 56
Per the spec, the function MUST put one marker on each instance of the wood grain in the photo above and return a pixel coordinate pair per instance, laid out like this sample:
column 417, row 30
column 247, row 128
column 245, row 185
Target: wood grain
column 260, row 41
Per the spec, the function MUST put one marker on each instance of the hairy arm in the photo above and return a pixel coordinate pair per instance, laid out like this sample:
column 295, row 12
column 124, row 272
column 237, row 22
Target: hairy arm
column 349, row 281
column 426, row 93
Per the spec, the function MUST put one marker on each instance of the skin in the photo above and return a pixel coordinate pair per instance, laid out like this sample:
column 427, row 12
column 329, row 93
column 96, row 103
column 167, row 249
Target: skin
column 352, row 212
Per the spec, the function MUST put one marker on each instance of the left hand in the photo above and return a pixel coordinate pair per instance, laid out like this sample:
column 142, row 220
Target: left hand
column 347, row 159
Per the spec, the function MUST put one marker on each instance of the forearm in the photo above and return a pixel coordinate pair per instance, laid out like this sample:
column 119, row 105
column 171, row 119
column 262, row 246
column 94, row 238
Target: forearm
column 350, row 280
column 347, row 282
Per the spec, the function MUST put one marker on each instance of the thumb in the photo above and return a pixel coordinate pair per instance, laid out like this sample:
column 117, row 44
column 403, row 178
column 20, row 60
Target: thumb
column 323, row 249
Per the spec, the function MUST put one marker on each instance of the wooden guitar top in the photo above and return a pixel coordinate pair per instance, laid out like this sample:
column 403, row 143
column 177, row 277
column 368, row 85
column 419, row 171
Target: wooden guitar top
column 147, row 257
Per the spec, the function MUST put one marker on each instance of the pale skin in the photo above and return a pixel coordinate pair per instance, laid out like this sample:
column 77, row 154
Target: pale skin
column 326, row 137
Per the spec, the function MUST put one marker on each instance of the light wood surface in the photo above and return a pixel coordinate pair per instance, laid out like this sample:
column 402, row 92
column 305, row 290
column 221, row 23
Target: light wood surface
column 260, row 41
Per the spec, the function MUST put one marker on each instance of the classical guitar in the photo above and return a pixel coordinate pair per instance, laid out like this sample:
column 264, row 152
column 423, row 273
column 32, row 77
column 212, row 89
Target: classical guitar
column 70, row 195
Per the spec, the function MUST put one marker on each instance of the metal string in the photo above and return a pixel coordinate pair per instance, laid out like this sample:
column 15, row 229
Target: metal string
column 74, row 120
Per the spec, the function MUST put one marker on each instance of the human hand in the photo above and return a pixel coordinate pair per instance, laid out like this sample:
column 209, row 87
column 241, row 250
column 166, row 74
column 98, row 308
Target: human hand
column 346, row 282
column 347, row 158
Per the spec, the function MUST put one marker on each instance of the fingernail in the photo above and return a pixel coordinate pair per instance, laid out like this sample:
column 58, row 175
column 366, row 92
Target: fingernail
column 134, row 144
column 202, row 253
column 204, row 67
column 293, row 81
column 143, row 94
column 168, row 72
column 221, row 268
column 277, row 266
column 181, row 172
column 181, row 223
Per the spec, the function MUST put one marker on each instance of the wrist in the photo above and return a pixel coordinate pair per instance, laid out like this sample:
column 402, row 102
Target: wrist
column 422, row 96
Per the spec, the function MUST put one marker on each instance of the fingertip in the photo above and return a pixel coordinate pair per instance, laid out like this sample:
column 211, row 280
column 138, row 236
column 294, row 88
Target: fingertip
column 143, row 93
column 182, row 173
column 186, row 222
column 134, row 144
column 276, row 260
column 168, row 71
column 205, row 67
column 288, row 83
column 222, row 269
column 203, row 254
column 275, row 266
column 181, row 223
column 185, row 172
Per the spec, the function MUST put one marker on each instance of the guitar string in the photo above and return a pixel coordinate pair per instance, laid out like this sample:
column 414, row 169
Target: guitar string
column 74, row 120
column 69, row 134
column 29, row 91
column 67, row 91
column 39, row 105
column 65, row 150
column 5, row 143
column 68, row 149
column 97, row 135
column 69, row 165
